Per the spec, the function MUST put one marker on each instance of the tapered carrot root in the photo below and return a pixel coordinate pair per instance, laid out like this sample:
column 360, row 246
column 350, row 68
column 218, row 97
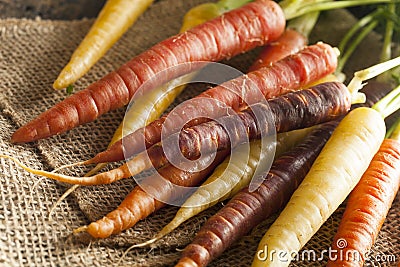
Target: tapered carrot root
column 247, row 209
column 237, row 31
column 140, row 203
column 136, row 165
column 113, row 21
column 367, row 207
column 301, row 69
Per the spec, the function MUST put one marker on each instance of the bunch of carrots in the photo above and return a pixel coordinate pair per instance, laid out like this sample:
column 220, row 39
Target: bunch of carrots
column 290, row 90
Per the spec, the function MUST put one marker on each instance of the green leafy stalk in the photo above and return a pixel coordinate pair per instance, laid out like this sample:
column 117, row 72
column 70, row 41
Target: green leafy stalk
column 394, row 131
column 389, row 104
column 305, row 23
column 226, row 5
column 386, row 53
column 349, row 51
column 69, row 89
column 293, row 9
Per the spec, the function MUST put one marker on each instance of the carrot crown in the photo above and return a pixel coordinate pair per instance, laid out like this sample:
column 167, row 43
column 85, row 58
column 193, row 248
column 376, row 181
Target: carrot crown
column 361, row 76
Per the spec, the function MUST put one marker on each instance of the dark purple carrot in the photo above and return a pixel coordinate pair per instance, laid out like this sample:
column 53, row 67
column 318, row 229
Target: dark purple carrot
column 296, row 110
column 237, row 31
column 247, row 209
column 289, row 74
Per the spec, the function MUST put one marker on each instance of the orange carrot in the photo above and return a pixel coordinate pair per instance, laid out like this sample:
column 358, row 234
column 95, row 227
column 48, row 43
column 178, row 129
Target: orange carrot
column 367, row 207
column 141, row 202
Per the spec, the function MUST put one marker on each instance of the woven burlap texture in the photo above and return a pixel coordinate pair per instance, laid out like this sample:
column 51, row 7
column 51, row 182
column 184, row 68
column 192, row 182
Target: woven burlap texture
column 32, row 52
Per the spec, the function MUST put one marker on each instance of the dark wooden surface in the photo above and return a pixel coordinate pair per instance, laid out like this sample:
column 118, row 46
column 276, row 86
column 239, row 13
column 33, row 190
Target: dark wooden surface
column 50, row 9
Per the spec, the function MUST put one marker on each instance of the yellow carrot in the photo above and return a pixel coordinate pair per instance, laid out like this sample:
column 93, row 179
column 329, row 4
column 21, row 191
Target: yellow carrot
column 333, row 175
column 234, row 173
column 113, row 21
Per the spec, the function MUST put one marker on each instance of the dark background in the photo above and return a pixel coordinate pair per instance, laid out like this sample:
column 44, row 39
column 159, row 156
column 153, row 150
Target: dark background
column 50, row 9
column 68, row 9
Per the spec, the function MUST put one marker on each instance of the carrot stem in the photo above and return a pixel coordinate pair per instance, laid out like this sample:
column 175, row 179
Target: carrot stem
column 366, row 24
column 294, row 9
column 305, row 23
column 389, row 104
column 386, row 53
column 356, row 27
column 361, row 76
column 394, row 131
column 226, row 5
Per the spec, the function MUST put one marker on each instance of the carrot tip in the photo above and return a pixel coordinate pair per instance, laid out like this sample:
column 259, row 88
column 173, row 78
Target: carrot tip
column 140, row 245
column 80, row 229
column 23, row 135
column 80, row 163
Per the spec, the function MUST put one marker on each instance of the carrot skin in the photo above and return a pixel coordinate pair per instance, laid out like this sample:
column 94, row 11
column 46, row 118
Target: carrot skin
column 335, row 172
column 367, row 206
column 300, row 109
column 113, row 21
column 290, row 42
column 296, row 110
column 139, row 203
column 309, row 65
column 247, row 209
column 237, row 31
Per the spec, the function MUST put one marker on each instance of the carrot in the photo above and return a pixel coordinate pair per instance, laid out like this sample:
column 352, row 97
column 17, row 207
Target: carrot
column 236, row 171
column 309, row 65
column 333, row 175
column 233, row 174
column 289, row 43
column 296, row 110
column 149, row 106
column 237, row 31
column 248, row 208
column 293, row 39
column 153, row 194
column 113, row 21
column 367, row 207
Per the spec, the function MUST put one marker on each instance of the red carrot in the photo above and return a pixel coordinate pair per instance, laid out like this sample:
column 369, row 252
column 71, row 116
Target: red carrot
column 237, row 31
column 290, row 42
column 247, row 209
column 367, row 207
column 291, row 73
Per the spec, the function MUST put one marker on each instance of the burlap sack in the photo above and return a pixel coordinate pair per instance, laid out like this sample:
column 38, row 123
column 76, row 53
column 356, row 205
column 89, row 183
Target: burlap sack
column 32, row 52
